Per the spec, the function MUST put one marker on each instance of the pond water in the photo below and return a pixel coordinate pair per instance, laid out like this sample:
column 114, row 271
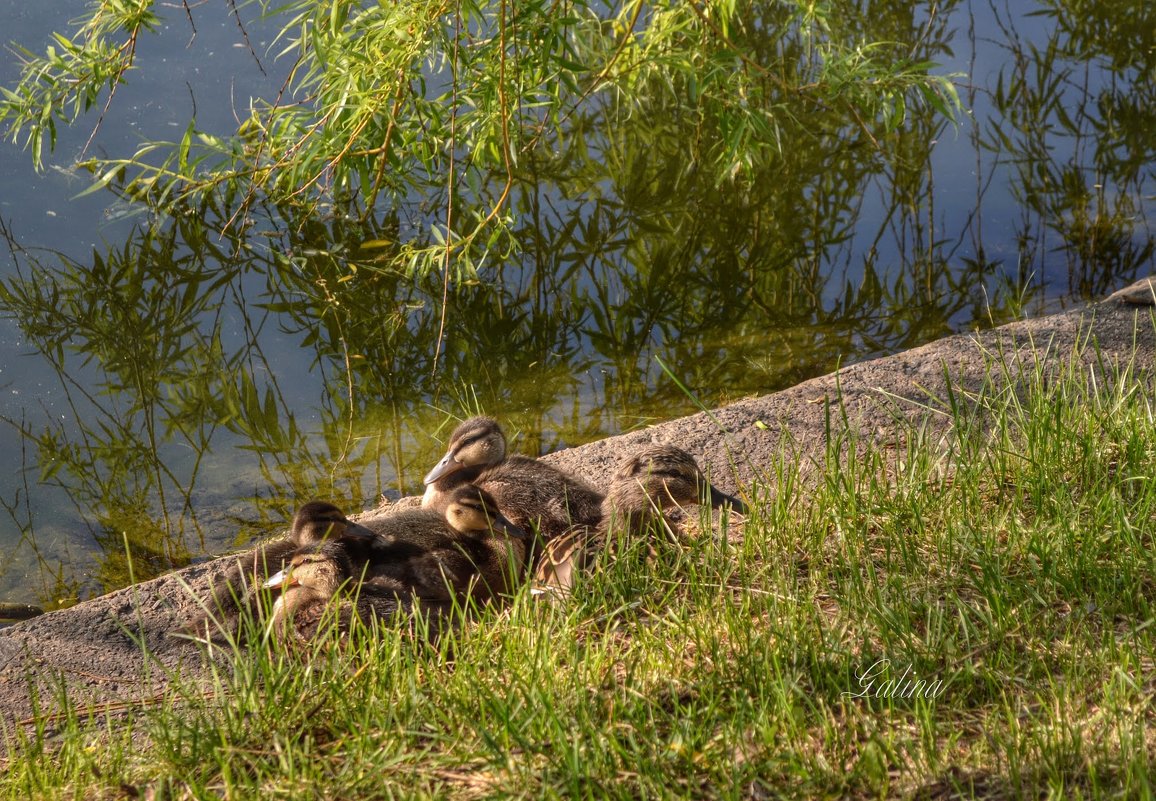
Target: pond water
column 172, row 393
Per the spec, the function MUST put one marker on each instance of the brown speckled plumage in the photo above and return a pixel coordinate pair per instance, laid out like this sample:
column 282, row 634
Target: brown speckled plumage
column 314, row 523
column 468, row 551
column 534, row 495
column 645, row 486
column 320, row 587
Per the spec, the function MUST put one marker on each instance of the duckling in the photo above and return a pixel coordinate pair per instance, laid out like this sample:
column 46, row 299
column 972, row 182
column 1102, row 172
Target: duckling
column 476, row 444
column 319, row 573
column 531, row 493
column 314, row 523
column 655, row 479
column 470, row 552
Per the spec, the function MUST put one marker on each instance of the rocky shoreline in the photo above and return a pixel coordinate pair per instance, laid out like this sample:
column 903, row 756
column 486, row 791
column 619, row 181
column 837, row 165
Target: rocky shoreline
column 115, row 650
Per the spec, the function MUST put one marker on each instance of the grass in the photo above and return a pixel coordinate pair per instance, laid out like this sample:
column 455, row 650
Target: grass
column 969, row 616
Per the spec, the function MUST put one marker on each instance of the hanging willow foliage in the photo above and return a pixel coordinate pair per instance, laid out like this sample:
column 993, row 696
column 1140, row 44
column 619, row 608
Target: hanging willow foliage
column 438, row 102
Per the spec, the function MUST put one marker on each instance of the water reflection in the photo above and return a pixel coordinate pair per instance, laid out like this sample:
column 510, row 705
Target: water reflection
column 211, row 382
column 1074, row 120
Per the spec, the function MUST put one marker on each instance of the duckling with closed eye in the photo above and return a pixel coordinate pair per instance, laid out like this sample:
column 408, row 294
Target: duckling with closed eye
column 476, row 444
column 314, row 523
column 320, row 585
column 645, row 486
column 532, row 494
column 658, row 478
column 468, row 552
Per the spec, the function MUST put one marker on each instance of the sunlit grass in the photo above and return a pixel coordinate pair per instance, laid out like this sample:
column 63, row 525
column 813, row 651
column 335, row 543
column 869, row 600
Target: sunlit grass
column 969, row 616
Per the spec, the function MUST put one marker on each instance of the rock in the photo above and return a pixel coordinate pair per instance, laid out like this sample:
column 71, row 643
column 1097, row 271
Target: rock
column 116, row 648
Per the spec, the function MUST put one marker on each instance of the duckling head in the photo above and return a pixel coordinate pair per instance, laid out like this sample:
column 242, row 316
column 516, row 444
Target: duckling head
column 318, row 521
column 471, row 509
column 477, row 443
column 314, row 576
column 662, row 477
column 320, row 569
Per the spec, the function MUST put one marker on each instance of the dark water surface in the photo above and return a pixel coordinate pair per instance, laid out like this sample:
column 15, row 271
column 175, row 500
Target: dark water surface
column 177, row 392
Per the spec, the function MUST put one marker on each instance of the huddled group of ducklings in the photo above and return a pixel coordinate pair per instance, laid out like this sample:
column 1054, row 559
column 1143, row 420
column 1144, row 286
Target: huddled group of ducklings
column 488, row 522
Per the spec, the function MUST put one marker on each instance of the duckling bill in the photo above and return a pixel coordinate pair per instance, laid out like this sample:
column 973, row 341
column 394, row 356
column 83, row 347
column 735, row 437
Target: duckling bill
column 477, row 443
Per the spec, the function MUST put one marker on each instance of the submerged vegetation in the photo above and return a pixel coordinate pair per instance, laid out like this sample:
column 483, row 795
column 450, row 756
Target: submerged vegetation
column 970, row 617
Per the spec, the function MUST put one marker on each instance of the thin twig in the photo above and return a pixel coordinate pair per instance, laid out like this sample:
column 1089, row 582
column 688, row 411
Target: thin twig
column 450, row 193
column 262, row 143
column 110, row 706
column 382, row 152
column 245, row 34
column 130, row 45
column 193, row 25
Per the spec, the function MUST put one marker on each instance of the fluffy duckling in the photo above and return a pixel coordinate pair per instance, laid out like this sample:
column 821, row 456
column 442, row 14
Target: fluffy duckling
column 657, row 478
column 531, row 493
column 314, row 523
column 476, row 444
column 319, row 585
column 471, row 551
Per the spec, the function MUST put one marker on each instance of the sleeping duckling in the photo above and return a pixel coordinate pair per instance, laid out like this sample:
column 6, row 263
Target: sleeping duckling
column 314, row 523
column 319, row 586
column 471, row 552
column 531, row 493
column 476, row 444
column 657, row 478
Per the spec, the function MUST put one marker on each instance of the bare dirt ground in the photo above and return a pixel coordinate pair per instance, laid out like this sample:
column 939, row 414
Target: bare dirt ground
column 114, row 651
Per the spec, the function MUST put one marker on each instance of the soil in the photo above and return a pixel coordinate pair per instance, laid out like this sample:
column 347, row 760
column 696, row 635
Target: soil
column 114, row 652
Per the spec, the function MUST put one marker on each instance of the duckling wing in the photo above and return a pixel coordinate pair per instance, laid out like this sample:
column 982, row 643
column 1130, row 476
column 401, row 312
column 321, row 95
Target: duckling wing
column 535, row 495
column 398, row 560
column 418, row 555
column 562, row 558
column 426, row 618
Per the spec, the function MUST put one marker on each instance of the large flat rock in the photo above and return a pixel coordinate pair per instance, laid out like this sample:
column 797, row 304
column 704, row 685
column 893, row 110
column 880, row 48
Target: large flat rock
column 113, row 650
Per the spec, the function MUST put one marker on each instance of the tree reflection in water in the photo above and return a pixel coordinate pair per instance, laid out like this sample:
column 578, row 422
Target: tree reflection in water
column 213, row 382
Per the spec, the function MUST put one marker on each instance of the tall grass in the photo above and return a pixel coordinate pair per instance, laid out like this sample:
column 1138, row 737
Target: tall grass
column 966, row 616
